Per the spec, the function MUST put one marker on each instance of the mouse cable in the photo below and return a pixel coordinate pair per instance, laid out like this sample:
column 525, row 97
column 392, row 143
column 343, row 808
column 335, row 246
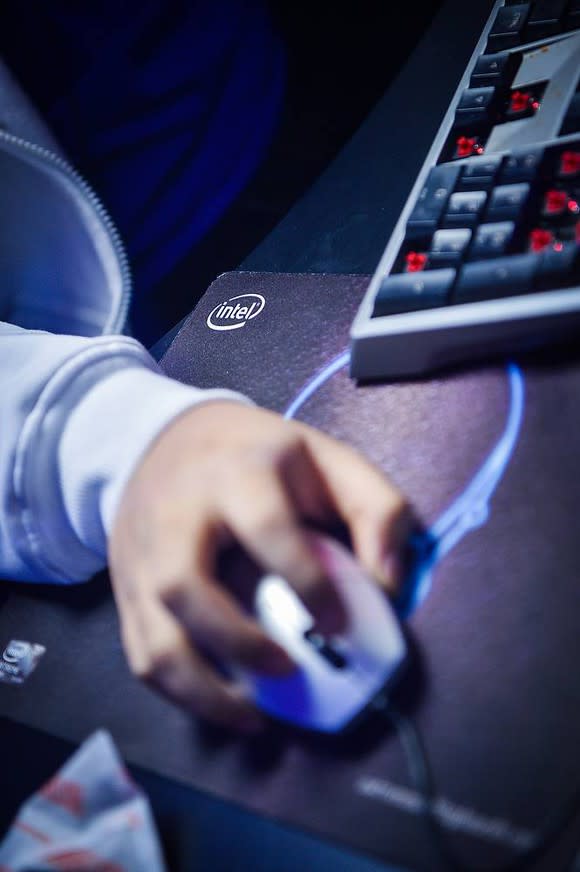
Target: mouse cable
column 422, row 778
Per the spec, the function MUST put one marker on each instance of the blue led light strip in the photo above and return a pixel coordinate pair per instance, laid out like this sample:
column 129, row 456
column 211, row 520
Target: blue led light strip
column 319, row 379
column 468, row 511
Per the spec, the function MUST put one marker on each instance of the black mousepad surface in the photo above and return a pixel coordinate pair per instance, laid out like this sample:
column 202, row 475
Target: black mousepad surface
column 489, row 458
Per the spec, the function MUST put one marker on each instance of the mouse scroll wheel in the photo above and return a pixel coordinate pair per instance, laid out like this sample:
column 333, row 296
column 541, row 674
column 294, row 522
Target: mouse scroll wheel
column 326, row 649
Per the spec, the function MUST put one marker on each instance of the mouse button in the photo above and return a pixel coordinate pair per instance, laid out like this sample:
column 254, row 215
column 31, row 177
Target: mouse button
column 388, row 644
column 371, row 616
column 363, row 599
column 374, row 644
column 276, row 604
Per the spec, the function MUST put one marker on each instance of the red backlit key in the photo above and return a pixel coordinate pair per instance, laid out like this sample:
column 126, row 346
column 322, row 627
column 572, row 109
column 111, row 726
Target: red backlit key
column 569, row 164
column 415, row 261
column 467, row 145
column 540, row 239
column 520, row 101
column 555, row 202
column 522, row 104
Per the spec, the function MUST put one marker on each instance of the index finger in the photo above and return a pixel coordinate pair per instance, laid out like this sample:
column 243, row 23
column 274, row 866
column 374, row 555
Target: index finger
column 377, row 514
column 261, row 514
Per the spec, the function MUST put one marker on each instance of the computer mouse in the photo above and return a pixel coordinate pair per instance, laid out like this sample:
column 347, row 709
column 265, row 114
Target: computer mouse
column 336, row 677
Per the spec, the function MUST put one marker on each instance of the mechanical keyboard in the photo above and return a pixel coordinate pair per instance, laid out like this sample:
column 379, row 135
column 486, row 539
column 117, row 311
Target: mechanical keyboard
column 485, row 258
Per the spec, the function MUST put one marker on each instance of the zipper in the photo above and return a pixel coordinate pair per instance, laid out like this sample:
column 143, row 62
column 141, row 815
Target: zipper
column 119, row 319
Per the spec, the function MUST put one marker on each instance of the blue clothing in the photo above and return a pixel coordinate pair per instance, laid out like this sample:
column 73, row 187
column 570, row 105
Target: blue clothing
column 166, row 107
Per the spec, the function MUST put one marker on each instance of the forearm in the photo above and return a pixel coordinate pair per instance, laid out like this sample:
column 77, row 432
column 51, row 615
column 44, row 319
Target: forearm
column 77, row 416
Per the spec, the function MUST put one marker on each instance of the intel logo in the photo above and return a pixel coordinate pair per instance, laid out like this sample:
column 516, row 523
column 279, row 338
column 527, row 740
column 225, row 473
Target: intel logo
column 235, row 312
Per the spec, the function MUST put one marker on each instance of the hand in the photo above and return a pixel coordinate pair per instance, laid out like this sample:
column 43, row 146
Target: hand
column 224, row 472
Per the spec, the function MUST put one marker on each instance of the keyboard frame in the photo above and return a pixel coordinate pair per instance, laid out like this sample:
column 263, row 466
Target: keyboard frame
column 413, row 343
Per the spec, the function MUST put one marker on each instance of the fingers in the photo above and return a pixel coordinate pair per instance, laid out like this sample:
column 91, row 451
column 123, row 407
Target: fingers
column 379, row 518
column 160, row 653
column 265, row 519
column 215, row 621
column 172, row 612
column 178, row 575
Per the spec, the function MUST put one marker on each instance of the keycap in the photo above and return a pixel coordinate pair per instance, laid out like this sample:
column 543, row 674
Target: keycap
column 522, row 166
column 507, row 202
column 407, row 292
column 432, row 200
column 500, row 277
column 477, row 105
column 495, row 70
column 507, row 29
column 491, row 240
column 464, row 208
column 558, row 265
column 545, row 19
column 479, row 173
column 448, row 246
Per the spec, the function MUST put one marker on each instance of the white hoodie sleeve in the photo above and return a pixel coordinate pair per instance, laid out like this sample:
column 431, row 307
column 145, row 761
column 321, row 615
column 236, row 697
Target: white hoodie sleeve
column 77, row 416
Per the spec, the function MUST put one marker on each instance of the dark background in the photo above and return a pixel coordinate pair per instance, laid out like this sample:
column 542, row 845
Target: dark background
column 340, row 59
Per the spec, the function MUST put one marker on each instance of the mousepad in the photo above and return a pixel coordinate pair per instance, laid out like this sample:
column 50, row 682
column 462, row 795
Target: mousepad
column 488, row 456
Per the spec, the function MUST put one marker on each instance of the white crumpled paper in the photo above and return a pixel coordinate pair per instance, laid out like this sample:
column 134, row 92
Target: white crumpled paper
column 91, row 817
